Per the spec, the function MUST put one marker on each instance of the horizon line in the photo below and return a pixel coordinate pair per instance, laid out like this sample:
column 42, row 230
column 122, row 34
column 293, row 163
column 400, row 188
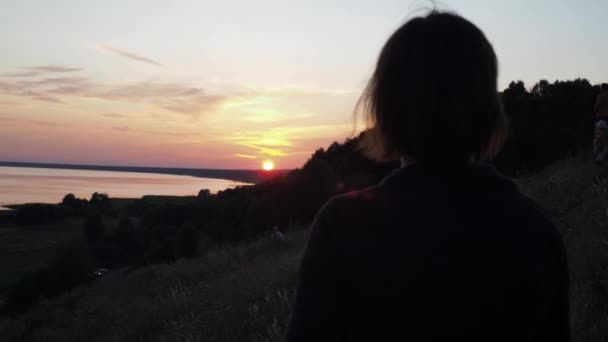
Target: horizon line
column 134, row 166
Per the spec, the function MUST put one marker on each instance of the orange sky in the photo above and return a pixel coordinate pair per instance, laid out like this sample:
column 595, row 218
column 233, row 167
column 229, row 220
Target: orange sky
column 229, row 84
column 72, row 119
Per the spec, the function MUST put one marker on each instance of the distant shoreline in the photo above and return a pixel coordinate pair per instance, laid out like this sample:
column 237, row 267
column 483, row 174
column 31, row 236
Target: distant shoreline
column 245, row 176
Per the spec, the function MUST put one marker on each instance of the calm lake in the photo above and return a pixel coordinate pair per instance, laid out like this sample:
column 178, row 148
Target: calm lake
column 38, row 185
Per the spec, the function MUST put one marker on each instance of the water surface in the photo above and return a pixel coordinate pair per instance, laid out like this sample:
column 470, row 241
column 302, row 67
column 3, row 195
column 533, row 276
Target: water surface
column 39, row 185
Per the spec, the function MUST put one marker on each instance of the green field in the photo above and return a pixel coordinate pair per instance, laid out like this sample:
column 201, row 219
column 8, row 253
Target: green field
column 243, row 292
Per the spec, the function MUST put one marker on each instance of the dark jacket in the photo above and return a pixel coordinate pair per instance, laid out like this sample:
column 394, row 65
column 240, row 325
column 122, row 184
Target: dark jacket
column 433, row 256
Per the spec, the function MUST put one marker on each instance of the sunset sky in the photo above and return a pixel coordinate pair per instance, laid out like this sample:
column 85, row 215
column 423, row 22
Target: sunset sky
column 229, row 84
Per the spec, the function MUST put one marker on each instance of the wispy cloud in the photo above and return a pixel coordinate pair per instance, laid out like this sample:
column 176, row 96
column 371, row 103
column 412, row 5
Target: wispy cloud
column 284, row 141
column 47, row 99
column 259, row 108
column 126, row 54
column 6, row 118
column 307, row 91
column 267, row 143
column 113, row 115
column 51, row 68
column 173, row 97
column 122, row 128
column 274, row 152
column 39, row 70
column 21, row 74
column 246, row 156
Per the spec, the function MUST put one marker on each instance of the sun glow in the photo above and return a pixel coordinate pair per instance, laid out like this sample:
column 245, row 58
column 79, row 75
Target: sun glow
column 268, row 165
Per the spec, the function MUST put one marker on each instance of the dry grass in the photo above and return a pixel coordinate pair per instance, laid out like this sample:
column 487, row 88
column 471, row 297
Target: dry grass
column 574, row 193
column 234, row 294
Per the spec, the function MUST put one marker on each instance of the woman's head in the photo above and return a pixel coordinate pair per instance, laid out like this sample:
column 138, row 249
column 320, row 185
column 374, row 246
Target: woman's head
column 433, row 97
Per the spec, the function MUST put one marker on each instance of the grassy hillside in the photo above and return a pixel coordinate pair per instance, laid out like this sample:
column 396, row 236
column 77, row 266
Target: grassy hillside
column 234, row 294
column 575, row 194
column 242, row 293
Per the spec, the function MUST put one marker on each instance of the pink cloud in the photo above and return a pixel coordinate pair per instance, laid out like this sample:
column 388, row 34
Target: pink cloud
column 126, row 54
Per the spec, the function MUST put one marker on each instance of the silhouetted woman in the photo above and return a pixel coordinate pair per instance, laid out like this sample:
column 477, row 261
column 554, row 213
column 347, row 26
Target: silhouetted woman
column 444, row 248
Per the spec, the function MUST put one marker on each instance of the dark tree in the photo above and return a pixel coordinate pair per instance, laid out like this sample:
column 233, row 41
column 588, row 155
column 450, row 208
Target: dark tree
column 541, row 88
column 126, row 236
column 100, row 199
column 31, row 214
column 188, row 240
column 204, row 194
column 93, row 228
column 69, row 200
column 552, row 121
column 515, row 90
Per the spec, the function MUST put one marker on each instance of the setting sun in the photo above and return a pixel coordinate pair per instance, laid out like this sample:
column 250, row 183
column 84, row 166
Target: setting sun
column 268, row 165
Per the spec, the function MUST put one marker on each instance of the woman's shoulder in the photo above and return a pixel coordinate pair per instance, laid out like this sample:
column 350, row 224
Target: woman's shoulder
column 350, row 209
column 354, row 199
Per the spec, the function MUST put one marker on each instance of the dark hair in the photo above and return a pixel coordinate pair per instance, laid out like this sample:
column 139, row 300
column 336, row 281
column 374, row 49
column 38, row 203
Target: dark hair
column 604, row 86
column 433, row 97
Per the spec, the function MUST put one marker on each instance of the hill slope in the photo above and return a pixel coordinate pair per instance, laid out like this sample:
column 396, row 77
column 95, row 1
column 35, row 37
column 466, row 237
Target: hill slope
column 242, row 293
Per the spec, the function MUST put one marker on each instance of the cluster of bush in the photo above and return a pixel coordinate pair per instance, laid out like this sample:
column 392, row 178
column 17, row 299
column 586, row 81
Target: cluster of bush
column 38, row 213
column 139, row 244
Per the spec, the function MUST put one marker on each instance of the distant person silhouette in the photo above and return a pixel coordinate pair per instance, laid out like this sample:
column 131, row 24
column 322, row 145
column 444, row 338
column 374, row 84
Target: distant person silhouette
column 277, row 236
column 600, row 142
column 444, row 248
